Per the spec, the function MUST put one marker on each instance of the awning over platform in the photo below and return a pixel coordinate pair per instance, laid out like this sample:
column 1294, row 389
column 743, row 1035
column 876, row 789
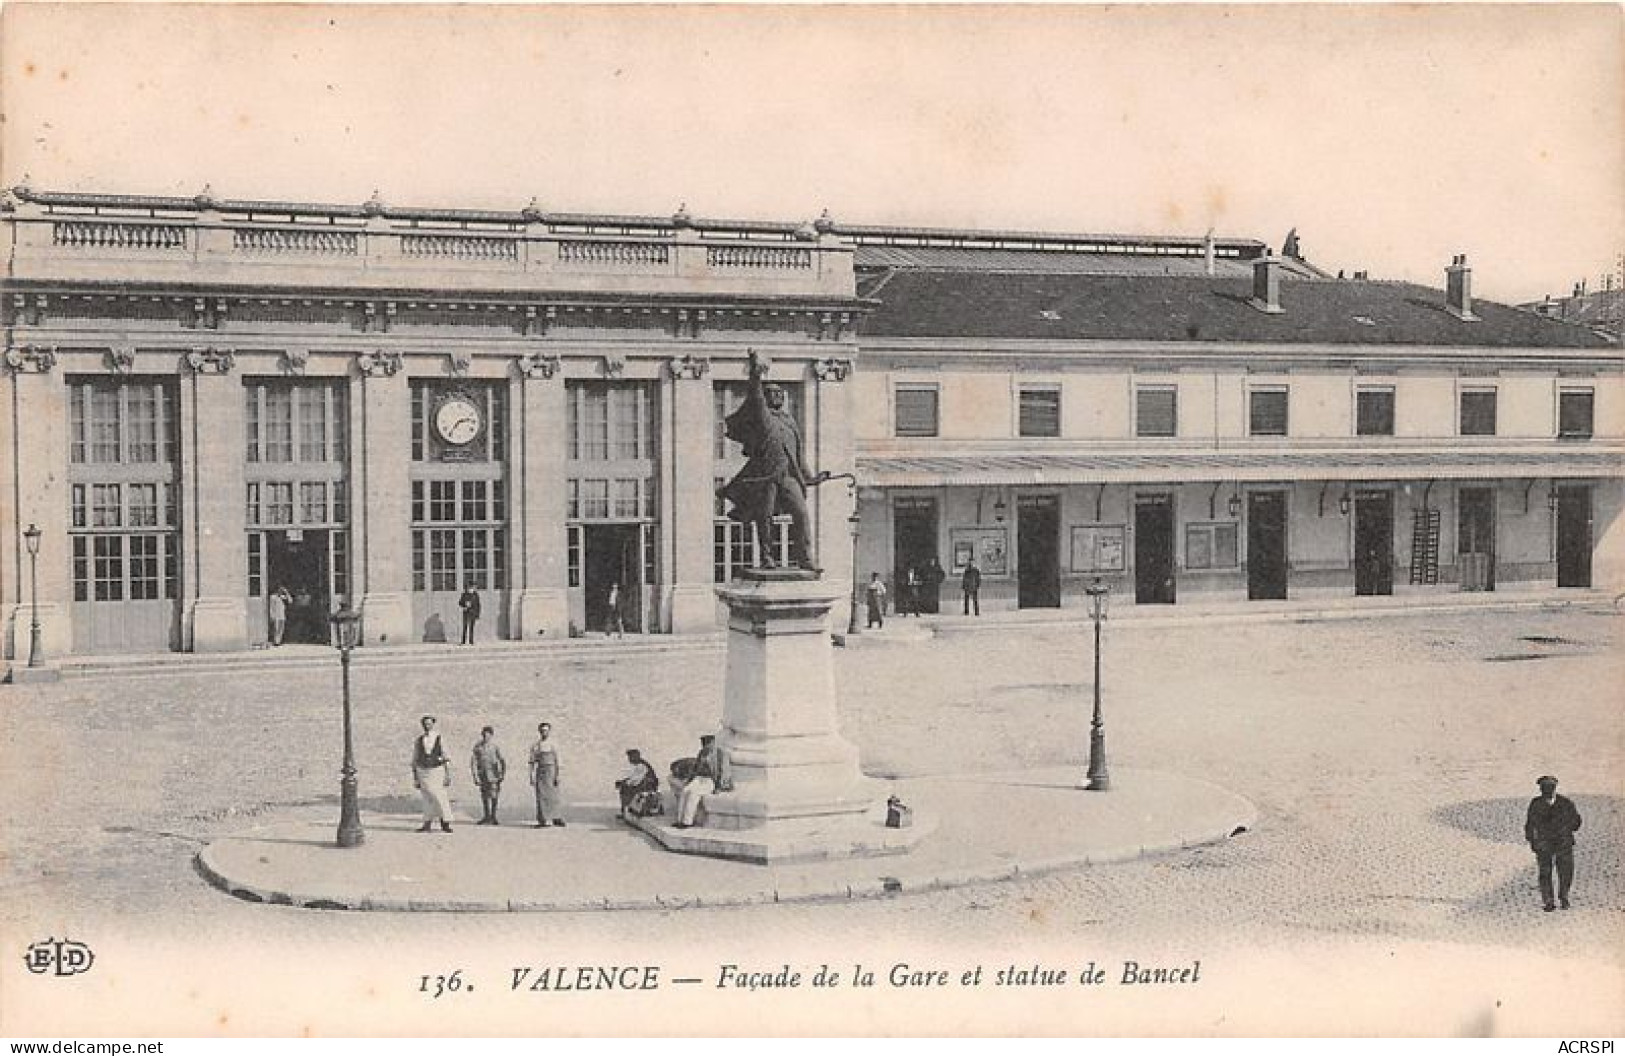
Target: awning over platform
column 1113, row 466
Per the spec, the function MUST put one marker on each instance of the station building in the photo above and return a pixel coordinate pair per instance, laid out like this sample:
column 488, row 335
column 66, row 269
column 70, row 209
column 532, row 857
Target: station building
column 209, row 400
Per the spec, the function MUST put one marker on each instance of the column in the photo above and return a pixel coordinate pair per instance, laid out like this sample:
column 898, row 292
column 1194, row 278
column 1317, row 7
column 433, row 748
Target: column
column 833, row 503
column 539, row 448
column 213, row 541
column 380, row 461
column 692, row 604
column 35, row 439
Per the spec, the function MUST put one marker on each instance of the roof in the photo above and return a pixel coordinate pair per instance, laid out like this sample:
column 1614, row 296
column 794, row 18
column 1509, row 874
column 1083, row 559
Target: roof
column 1103, row 467
column 994, row 304
column 869, row 257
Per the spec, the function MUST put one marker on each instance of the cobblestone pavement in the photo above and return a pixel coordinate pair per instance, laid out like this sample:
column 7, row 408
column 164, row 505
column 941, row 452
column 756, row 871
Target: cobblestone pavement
column 1391, row 761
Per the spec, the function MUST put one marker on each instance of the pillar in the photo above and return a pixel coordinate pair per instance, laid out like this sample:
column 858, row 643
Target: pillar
column 544, row 603
column 214, row 580
column 692, row 603
column 833, row 503
column 381, row 490
column 35, row 439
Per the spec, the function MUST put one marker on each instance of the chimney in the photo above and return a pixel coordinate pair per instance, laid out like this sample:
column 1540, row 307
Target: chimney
column 1458, row 278
column 1267, row 284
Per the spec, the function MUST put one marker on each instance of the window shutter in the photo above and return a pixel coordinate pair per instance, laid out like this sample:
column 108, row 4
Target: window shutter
column 917, row 412
column 1574, row 414
column 1040, row 412
column 1268, row 412
column 1156, row 413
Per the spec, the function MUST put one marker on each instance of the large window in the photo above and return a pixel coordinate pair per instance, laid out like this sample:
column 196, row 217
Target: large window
column 1267, row 412
column 120, row 423
column 123, row 516
column 1374, row 412
column 1040, row 411
column 1574, row 414
column 294, row 421
column 1478, row 412
column 610, row 422
column 1156, row 411
column 916, row 410
column 458, row 535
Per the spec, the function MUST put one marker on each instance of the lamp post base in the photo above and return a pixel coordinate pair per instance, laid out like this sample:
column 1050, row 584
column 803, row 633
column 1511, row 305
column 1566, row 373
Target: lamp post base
column 1099, row 779
column 350, row 832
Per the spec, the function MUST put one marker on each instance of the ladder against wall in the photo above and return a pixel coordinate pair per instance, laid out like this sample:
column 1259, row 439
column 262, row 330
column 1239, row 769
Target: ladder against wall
column 1425, row 547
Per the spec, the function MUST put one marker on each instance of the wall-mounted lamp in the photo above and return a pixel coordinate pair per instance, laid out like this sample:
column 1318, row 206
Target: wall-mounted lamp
column 1343, row 503
column 998, row 510
column 1551, row 497
column 1234, row 505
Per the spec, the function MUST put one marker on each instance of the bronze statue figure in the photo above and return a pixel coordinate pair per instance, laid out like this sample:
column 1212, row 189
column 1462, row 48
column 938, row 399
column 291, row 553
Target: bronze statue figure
column 775, row 478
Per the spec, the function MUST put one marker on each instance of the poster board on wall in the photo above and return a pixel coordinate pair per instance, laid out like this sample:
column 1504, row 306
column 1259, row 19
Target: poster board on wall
column 1098, row 547
column 989, row 545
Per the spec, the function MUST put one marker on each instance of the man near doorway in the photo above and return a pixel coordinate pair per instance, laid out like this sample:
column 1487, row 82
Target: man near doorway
column 1550, row 827
column 469, row 602
column 971, row 585
column 875, row 595
column 278, row 606
column 933, row 576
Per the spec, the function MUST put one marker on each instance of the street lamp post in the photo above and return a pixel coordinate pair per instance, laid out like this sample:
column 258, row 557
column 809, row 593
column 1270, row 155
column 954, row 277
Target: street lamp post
column 346, row 626
column 36, row 645
column 853, row 524
column 1099, row 779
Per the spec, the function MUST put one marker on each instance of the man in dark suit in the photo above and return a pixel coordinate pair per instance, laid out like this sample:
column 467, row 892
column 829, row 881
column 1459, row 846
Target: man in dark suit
column 971, row 584
column 469, row 602
column 1550, row 827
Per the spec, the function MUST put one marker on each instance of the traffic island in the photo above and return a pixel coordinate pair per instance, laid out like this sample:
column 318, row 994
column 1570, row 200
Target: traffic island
column 990, row 827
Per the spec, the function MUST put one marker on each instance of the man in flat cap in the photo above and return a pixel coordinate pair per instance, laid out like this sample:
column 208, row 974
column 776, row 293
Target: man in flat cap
column 1550, row 828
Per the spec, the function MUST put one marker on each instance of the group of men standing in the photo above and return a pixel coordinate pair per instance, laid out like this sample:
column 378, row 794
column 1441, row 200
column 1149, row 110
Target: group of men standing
column 919, row 590
column 431, row 774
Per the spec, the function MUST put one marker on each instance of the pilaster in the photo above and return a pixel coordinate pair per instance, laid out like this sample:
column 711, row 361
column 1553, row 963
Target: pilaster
column 380, row 458
column 214, row 581
column 832, row 453
column 35, row 435
column 692, row 603
column 544, row 605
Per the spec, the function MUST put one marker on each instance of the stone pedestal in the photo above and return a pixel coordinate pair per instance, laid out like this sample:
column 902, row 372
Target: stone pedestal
column 798, row 792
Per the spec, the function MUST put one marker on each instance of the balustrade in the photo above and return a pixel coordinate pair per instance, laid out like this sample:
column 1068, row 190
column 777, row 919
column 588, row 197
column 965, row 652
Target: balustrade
column 81, row 234
column 460, row 247
column 615, row 254
column 274, row 240
column 777, row 258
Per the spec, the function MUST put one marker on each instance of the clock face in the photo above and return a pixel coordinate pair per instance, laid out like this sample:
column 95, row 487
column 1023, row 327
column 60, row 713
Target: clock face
column 458, row 420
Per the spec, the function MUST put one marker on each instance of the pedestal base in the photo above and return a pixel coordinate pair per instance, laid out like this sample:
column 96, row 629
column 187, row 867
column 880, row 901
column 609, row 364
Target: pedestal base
column 218, row 625
column 798, row 792
column 23, row 675
column 788, row 840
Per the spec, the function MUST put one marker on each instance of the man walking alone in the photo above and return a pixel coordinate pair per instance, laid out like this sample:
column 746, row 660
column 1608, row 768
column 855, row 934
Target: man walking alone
column 1550, row 828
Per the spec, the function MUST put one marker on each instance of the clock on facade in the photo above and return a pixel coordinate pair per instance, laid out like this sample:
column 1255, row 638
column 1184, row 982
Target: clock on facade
column 458, row 420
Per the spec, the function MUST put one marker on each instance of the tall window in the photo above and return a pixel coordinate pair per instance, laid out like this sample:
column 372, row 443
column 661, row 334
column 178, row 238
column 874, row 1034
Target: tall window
column 294, row 421
column 1267, row 412
column 1040, row 410
column 1374, row 412
column 122, row 490
column 610, row 421
column 1478, row 412
column 1574, row 414
column 1156, row 411
column 916, row 409
column 458, row 535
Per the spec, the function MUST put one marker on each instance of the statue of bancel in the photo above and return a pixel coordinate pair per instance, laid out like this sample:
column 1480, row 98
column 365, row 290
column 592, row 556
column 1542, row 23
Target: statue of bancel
column 774, row 479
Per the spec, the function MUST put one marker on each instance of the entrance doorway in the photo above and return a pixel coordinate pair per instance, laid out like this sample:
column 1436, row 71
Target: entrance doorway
column 1266, row 545
column 1574, row 535
column 297, row 559
column 1373, row 543
column 611, row 555
column 1475, row 538
column 914, row 545
column 1038, row 564
column 1153, row 550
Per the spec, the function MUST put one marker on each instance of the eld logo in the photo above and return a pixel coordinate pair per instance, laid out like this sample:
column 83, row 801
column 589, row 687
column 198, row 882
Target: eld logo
column 59, row 957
